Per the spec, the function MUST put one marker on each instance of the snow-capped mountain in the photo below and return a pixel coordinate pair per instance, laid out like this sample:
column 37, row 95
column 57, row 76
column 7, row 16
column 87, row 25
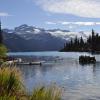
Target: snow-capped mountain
column 29, row 38
column 23, row 29
column 26, row 31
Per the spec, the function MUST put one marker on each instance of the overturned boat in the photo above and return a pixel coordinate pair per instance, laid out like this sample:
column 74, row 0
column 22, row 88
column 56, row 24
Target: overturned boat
column 87, row 59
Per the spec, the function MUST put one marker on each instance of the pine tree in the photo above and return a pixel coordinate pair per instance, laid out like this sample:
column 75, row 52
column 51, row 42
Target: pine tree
column 81, row 44
column 93, row 40
column 93, row 33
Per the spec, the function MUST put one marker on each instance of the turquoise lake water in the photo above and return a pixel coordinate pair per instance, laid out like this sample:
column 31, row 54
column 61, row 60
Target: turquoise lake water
column 80, row 82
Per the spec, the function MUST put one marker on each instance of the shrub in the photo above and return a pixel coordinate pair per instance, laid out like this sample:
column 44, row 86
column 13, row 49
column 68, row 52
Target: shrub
column 3, row 50
column 10, row 82
column 46, row 93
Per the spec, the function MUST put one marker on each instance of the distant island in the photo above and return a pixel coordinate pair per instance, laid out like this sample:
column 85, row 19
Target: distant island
column 92, row 44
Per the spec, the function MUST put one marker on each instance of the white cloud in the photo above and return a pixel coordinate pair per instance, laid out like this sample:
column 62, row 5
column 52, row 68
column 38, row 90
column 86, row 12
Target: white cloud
column 83, row 8
column 3, row 14
column 65, row 23
column 51, row 23
column 74, row 23
column 98, row 23
column 85, row 23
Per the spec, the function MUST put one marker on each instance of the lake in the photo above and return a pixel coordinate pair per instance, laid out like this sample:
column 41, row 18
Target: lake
column 80, row 82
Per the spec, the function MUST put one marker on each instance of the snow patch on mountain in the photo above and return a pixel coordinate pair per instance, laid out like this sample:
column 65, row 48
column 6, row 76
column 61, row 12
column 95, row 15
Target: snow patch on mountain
column 69, row 35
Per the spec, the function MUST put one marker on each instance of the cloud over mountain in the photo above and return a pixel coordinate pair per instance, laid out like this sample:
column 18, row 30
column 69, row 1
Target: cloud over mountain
column 74, row 23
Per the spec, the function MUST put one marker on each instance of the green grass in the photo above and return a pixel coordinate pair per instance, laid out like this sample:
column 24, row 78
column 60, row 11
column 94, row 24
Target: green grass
column 10, row 82
column 12, row 88
column 46, row 93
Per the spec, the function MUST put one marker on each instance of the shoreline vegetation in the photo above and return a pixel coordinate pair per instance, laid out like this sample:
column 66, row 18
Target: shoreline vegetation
column 92, row 44
column 12, row 88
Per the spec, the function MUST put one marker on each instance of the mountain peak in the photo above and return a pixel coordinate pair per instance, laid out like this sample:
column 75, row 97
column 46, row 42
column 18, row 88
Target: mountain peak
column 21, row 27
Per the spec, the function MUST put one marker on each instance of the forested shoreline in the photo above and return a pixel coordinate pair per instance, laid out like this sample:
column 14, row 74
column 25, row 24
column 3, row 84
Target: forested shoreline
column 92, row 44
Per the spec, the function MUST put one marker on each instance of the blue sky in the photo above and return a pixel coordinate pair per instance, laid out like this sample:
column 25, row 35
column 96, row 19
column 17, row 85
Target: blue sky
column 74, row 15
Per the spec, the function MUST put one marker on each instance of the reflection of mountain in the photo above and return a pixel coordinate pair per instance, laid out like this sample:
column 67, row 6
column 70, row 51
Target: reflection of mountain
column 28, row 38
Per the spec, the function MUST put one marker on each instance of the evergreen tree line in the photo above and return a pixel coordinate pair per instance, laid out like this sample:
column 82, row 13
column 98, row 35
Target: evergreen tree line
column 92, row 44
